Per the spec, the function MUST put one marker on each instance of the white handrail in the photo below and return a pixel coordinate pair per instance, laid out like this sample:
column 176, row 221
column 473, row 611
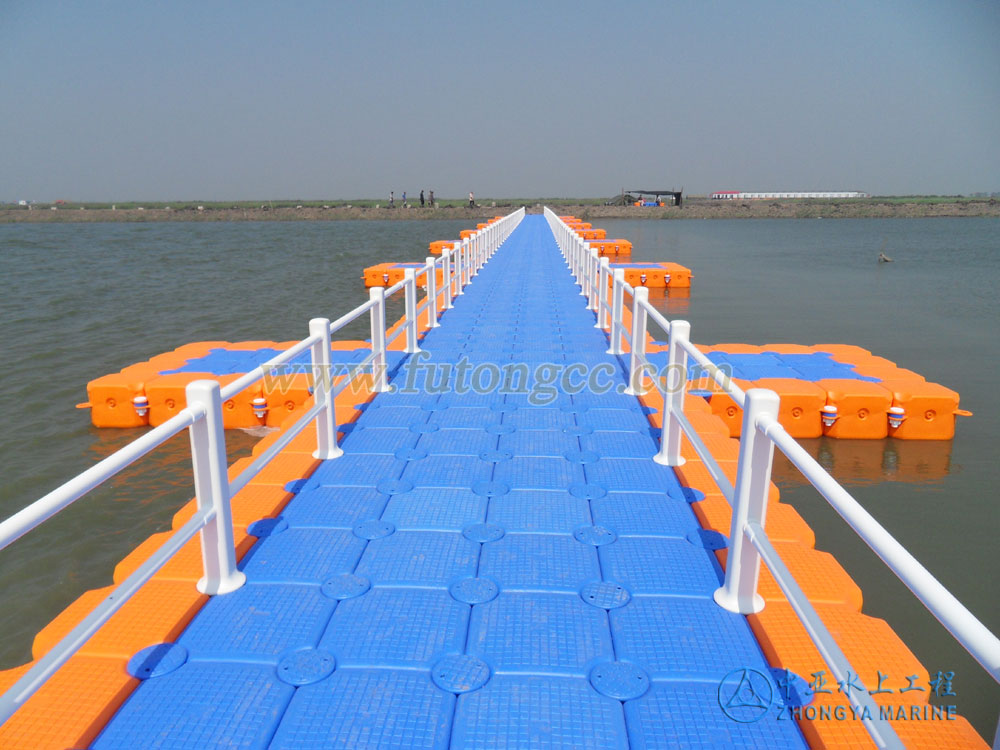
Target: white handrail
column 203, row 417
column 69, row 492
column 749, row 495
column 959, row 621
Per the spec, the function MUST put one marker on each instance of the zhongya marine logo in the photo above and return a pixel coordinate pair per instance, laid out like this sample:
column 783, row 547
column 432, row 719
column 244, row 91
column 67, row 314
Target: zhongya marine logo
column 745, row 695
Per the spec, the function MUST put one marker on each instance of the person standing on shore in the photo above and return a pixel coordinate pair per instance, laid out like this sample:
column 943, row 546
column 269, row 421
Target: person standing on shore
column 404, row 199
column 430, row 194
column 421, row 198
column 472, row 200
column 392, row 199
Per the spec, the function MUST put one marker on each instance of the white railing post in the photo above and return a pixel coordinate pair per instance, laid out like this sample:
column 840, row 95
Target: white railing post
column 637, row 368
column 594, row 271
column 446, row 280
column 617, row 309
column 380, row 368
column 753, row 479
column 430, row 274
column 602, row 292
column 581, row 267
column 474, row 265
column 459, row 271
column 410, row 304
column 211, row 485
column 673, row 396
column 326, row 420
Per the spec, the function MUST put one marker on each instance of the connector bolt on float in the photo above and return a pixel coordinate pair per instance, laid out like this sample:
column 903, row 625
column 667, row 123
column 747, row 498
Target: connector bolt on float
column 829, row 415
column 141, row 405
column 896, row 416
column 259, row 406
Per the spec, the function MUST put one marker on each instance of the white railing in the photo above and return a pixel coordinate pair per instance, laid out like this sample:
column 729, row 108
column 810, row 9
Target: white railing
column 748, row 541
column 202, row 417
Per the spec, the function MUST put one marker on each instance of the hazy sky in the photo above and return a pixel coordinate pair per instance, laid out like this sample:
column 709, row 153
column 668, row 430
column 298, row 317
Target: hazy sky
column 245, row 100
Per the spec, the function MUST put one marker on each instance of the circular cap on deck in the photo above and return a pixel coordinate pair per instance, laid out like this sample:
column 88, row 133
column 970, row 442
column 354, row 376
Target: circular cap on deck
column 605, row 594
column 620, row 680
column 587, row 491
column 474, row 590
column 410, row 454
column 157, row 660
column 483, row 532
column 582, row 457
column 577, row 430
column 373, row 528
column 496, row 456
column 500, row 429
column 487, row 488
column 422, row 428
column 394, row 486
column 689, row 494
column 267, row 527
column 345, row 586
column 459, row 673
column 306, row 666
column 707, row 539
column 598, row 536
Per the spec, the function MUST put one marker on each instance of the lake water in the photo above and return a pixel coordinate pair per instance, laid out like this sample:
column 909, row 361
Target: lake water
column 80, row 301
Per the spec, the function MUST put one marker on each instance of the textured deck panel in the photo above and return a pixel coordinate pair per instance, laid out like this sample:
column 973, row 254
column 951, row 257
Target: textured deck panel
column 482, row 569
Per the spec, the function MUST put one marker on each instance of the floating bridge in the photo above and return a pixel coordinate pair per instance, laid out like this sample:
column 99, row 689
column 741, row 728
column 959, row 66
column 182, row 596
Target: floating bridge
column 493, row 532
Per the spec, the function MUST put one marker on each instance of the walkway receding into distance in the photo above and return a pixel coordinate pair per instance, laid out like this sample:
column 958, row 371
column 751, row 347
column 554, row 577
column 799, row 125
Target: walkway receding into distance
column 480, row 569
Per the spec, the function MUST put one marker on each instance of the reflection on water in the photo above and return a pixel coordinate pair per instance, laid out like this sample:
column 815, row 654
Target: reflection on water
column 862, row 462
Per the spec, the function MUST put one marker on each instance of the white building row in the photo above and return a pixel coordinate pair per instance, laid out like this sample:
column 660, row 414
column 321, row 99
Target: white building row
column 731, row 195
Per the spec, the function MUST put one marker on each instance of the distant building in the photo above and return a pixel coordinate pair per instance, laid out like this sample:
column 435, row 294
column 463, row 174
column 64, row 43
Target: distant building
column 732, row 195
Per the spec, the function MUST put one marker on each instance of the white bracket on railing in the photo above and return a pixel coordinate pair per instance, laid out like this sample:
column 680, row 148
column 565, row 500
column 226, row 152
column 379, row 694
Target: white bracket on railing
column 380, row 369
column 674, row 389
column 211, row 484
column 753, row 480
column 326, row 420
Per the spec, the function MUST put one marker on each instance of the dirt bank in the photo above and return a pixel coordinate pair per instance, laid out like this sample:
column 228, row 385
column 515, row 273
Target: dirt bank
column 693, row 209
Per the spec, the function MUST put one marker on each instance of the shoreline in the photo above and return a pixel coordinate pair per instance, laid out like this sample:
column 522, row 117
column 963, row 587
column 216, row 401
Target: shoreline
column 869, row 208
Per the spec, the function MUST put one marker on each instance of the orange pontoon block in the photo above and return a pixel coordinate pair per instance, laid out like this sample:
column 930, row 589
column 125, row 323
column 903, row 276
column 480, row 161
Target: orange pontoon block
column 862, row 409
column 85, row 693
column 439, row 246
column 821, row 577
column 390, row 274
column 612, row 247
column 110, row 399
column 922, row 410
column 783, row 522
column 656, row 275
column 800, row 407
column 592, row 234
